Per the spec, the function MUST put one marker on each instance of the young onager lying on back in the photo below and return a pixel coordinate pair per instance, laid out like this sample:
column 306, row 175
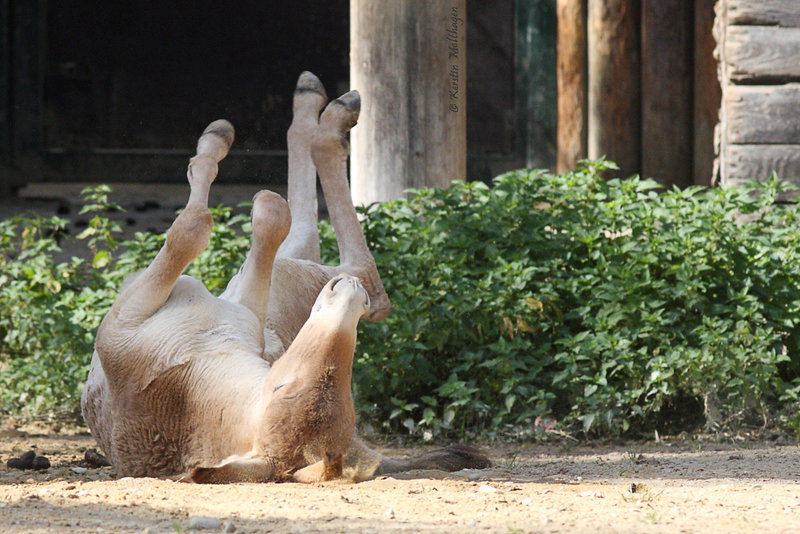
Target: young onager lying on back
column 253, row 385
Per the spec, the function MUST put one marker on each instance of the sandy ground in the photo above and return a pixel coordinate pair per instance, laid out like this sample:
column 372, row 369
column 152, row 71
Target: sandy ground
column 674, row 486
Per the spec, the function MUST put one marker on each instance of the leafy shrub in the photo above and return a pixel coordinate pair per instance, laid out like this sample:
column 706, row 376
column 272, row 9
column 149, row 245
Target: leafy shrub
column 603, row 304
column 600, row 302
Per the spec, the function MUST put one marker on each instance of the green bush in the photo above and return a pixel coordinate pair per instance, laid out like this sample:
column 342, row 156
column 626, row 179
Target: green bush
column 609, row 306
column 605, row 304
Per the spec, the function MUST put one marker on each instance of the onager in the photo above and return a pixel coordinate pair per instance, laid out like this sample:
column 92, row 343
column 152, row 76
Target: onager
column 253, row 385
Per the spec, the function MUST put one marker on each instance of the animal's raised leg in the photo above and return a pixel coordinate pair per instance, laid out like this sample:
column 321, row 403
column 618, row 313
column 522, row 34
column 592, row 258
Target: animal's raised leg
column 271, row 221
column 329, row 152
column 303, row 239
column 186, row 238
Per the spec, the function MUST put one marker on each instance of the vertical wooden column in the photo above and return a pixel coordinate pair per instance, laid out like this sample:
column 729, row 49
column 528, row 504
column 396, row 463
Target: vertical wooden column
column 571, row 74
column 408, row 61
column 667, row 91
column 707, row 92
column 614, row 98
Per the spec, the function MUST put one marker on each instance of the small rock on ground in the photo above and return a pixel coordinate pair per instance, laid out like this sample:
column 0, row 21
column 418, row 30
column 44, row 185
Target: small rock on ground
column 204, row 523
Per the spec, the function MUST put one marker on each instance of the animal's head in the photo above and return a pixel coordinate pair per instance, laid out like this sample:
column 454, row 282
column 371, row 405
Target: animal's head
column 343, row 297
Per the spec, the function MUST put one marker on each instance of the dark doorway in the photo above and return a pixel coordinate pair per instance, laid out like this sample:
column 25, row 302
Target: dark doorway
column 127, row 81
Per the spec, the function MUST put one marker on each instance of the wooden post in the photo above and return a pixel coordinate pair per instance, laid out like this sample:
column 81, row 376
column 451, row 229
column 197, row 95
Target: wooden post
column 667, row 91
column 571, row 73
column 707, row 92
column 614, row 83
column 408, row 61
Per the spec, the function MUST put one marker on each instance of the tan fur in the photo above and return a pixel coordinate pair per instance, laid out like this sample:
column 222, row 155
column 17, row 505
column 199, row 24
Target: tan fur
column 253, row 385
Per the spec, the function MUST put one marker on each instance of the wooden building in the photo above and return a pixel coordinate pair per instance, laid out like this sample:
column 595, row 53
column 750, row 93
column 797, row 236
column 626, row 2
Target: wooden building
column 116, row 92
column 759, row 51
column 638, row 85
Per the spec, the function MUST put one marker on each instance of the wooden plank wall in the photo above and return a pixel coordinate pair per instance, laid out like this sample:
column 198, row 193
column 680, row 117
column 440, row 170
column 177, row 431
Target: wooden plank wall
column 639, row 86
column 759, row 50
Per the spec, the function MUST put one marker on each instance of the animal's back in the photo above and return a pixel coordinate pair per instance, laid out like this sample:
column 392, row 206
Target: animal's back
column 158, row 401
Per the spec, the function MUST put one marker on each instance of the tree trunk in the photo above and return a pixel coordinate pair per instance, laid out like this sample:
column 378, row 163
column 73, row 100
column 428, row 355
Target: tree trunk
column 408, row 61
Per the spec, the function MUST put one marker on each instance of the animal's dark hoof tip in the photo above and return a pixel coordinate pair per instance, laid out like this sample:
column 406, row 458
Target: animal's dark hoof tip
column 308, row 82
column 351, row 100
column 222, row 129
column 95, row 459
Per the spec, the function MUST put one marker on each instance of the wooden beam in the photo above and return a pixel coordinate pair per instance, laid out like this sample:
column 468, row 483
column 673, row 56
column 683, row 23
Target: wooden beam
column 408, row 61
column 667, row 91
column 765, row 12
column 707, row 92
column 763, row 54
column 614, row 99
column 720, row 31
column 763, row 114
column 571, row 74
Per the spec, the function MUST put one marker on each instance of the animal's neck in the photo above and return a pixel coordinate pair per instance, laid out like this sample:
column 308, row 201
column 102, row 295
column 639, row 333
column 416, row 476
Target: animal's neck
column 316, row 348
column 325, row 349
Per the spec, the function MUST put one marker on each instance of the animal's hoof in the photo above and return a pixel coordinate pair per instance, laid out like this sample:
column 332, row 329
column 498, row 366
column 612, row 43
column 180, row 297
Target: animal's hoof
column 328, row 469
column 216, row 139
column 333, row 465
column 337, row 119
column 308, row 82
column 352, row 101
column 309, row 97
column 222, row 129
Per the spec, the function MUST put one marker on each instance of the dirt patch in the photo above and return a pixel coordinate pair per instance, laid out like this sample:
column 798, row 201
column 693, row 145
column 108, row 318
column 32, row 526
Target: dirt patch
column 679, row 486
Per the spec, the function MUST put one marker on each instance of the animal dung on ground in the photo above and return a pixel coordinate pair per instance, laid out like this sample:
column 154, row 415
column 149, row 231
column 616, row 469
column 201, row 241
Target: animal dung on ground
column 95, row 459
column 29, row 460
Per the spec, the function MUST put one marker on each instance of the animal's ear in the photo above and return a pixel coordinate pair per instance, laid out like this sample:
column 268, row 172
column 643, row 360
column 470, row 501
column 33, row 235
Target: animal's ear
column 235, row 469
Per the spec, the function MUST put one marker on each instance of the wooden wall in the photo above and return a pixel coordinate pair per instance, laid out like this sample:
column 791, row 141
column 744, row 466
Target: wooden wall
column 759, row 51
column 638, row 85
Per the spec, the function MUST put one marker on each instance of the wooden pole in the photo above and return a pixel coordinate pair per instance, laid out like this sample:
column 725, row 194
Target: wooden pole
column 707, row 92
column 571, row 73
column 614, row 82
column 408, row 61
column 667, row 70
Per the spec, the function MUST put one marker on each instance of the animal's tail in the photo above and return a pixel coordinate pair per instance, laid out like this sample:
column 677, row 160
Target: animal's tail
column 452, row 458
column 361, row 462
